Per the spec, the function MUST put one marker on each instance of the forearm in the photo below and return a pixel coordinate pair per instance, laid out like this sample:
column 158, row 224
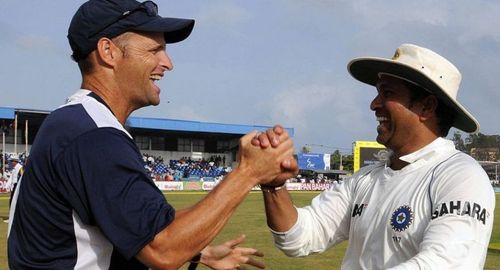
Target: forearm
column 195, row 227
column 280, row 211
column 313, row 228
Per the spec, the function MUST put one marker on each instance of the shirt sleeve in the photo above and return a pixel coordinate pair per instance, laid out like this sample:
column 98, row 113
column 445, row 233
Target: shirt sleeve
column 458, row 234
column 102, row 177
column 319, row 226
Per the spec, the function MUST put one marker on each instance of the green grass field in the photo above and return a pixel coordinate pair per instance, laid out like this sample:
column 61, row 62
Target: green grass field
column 250, row 220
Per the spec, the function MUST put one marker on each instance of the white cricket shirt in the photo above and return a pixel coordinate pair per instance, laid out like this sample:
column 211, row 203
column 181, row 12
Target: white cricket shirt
column 435, row 213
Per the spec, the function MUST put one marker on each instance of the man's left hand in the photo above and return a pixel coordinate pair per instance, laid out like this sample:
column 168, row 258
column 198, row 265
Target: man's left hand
column 230, row 256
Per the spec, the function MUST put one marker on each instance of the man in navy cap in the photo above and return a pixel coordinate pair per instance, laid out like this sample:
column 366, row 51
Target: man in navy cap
column 86, row 201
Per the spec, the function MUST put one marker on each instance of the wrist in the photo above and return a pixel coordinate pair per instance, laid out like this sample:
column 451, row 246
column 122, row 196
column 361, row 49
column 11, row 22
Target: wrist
column 246, row 176
column 272, row 188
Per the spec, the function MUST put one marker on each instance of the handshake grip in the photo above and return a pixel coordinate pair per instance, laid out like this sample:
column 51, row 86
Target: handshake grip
column 268, row 156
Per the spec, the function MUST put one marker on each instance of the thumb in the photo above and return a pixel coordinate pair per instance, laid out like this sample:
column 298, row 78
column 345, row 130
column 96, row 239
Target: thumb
column 290, row 164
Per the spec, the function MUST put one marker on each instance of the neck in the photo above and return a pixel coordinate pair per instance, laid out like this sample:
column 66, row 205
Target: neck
column 408, row 148
column 110, row 94
column 396, row 163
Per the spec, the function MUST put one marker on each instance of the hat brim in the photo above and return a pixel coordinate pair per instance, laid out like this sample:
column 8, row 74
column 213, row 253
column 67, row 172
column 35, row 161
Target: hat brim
column 175, row 29
column 367, row 70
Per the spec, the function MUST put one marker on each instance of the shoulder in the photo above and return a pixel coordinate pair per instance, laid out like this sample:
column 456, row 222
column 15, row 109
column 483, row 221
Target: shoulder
column 460, row 177
column 366, row 171
column 460, row 166
column 104, row 140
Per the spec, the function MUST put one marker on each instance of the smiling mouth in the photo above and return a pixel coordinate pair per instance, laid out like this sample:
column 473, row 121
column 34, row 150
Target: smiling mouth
column 155, row 77
column 382, row 121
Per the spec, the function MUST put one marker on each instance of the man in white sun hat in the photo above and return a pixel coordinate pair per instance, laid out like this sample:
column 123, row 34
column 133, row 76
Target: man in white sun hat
column 428, row 207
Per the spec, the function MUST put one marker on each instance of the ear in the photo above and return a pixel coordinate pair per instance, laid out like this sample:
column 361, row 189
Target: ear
column 429, row 107
column 107, row 51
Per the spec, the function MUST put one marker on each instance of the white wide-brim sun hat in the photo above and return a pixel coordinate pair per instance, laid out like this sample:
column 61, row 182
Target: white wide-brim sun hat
column 422, row 67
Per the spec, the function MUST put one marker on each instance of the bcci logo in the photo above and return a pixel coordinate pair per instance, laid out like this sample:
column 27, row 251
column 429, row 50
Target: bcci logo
column 402, row 218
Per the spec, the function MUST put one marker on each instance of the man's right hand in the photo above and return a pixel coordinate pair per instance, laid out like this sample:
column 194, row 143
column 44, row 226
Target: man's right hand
column 268, row 165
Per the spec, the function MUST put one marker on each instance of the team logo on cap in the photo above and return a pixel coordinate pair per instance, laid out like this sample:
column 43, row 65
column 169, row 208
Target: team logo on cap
column 402, row 218
column 396, row 54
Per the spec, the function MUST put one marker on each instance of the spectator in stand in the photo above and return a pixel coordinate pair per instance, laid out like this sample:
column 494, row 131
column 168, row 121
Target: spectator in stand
column 85, row 200
column 429, row 206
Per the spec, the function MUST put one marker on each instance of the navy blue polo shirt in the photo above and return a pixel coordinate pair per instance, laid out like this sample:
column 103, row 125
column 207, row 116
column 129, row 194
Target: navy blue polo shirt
column 85, row 200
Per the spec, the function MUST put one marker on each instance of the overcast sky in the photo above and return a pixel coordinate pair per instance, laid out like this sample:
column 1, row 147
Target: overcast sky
column 265, row 62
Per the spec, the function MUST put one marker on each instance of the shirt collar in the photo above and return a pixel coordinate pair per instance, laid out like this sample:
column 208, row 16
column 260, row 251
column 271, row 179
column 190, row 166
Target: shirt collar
column 436, row 146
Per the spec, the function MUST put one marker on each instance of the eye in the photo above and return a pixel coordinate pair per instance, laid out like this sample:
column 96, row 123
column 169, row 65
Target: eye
column 387, row 93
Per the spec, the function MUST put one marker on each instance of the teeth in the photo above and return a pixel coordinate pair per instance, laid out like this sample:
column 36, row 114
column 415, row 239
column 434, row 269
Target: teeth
column 155, row 77
column 381, row 118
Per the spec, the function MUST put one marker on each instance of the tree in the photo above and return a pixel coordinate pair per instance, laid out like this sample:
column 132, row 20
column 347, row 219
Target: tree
column 347, row 161
column 483, row 147
column 479, row 140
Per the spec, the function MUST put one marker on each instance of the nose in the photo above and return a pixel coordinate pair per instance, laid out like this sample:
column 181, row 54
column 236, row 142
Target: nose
column 376, row 103
column 165, row 61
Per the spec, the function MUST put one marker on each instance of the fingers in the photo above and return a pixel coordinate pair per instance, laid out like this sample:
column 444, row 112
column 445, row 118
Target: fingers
column 269, row 154
column 245, row 251
column 278, row 129
column 264, row 140
column 272, row 136
column 255, row 263
column 234, row 242
column 247, row 259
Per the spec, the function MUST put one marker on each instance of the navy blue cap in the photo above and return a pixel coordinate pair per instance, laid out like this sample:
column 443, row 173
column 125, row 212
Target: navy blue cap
column 109, row 18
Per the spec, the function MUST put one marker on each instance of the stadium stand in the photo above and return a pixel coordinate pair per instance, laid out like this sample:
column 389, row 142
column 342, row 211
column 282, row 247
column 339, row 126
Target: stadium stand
column 185, row 168
column 174, row 150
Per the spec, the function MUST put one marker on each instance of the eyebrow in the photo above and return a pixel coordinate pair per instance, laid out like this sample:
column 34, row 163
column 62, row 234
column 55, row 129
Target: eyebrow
column 157, row 47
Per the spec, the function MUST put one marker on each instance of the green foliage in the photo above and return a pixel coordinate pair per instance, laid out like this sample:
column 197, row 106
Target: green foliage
column 347, row 161
column 480, row 140
column 305, row 150
column 475, row 141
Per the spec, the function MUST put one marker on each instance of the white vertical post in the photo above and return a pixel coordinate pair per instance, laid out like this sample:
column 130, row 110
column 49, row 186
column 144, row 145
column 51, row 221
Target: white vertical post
column 26, row 137
column 3, row 152
column 15, row 134
column 341, row 167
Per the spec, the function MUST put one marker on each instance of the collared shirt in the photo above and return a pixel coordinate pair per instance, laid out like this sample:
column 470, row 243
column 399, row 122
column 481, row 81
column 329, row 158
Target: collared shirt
column 435, row 213
column 85, row 200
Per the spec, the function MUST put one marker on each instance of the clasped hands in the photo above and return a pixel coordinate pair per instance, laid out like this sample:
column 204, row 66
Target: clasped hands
column 269, row 156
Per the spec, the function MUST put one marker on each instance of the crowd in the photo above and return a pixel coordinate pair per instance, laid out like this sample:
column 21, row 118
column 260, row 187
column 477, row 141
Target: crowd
column 314, row 179
column 4, row 163
column 186, row 168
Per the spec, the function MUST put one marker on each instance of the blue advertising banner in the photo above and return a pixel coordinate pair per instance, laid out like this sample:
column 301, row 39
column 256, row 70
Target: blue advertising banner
column 311, row 161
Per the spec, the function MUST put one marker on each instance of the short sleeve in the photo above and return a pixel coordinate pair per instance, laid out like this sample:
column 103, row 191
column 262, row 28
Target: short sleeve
column 102, row 176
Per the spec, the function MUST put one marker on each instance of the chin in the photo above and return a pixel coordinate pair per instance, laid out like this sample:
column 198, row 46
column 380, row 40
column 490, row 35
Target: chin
column 380, row 139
